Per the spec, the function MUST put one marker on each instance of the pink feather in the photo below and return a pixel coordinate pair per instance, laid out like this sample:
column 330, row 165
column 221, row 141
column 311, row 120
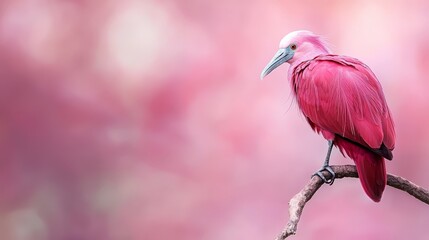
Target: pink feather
column 341, row 95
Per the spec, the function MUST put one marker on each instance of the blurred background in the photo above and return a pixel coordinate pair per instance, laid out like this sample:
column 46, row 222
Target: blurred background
column 147, row 119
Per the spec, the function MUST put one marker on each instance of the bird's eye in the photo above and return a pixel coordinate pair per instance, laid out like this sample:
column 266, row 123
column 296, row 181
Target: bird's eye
column 293, row 46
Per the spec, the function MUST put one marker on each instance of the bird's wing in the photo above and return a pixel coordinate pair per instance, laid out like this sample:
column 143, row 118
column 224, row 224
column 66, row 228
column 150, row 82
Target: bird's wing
column 341, row 95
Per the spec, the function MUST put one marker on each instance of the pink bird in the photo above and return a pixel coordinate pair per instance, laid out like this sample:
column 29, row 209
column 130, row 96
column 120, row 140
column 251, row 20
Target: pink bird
column 342, row 99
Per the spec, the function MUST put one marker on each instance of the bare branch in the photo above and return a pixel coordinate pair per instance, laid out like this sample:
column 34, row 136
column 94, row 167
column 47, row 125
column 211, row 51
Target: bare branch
column 297, row 203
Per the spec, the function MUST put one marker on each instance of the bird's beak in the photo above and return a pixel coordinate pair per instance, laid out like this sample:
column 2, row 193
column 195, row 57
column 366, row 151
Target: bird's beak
column 282, row 56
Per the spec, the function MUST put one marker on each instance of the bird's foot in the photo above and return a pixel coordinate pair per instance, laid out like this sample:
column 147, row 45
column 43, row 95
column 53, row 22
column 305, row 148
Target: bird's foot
column 327, row 168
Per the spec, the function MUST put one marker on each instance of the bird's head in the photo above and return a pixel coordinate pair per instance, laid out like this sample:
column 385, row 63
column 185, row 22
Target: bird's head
column 296, row 46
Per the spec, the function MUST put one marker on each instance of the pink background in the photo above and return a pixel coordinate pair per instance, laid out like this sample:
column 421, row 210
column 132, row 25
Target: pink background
column 147, row 119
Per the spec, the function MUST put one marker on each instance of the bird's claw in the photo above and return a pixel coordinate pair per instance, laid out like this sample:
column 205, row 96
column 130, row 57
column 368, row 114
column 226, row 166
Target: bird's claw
column 327, row 168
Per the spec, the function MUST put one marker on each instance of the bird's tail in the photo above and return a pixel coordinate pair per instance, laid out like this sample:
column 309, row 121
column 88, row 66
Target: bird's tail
column 370, row 167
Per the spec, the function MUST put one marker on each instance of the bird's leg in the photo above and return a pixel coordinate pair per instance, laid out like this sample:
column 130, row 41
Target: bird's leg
column 326, row 166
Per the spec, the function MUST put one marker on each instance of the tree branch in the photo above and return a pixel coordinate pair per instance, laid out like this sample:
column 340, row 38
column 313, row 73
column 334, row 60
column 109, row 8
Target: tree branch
column 297, row 203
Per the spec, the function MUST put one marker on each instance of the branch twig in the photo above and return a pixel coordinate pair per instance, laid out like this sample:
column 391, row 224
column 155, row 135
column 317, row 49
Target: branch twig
column 297, row 203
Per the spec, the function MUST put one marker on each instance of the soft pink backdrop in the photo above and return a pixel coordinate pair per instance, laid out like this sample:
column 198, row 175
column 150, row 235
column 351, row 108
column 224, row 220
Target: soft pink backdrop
column 147, row 119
